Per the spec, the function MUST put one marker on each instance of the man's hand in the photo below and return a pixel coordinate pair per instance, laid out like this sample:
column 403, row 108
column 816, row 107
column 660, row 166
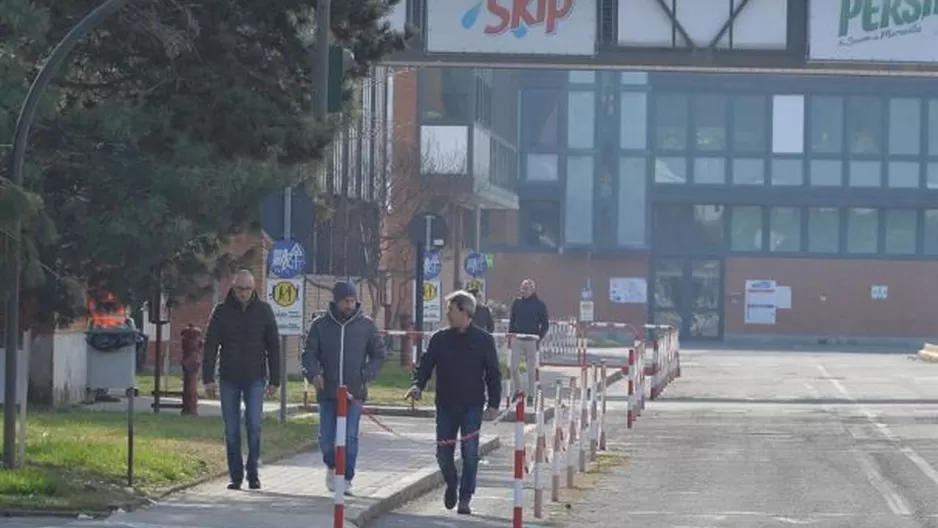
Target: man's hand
column 211, row 390
column 317, row 382
column 413, row 393
column 272, row 389
column 490, row 414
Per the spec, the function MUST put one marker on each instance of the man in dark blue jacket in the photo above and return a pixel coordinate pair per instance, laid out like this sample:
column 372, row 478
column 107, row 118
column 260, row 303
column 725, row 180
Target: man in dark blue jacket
column 529, row 319
column 467, row 376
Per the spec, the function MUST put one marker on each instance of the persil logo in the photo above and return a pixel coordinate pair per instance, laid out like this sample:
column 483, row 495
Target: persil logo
column 518, row 16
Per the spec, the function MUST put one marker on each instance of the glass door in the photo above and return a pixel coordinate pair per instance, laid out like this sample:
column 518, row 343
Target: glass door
column 688, row 294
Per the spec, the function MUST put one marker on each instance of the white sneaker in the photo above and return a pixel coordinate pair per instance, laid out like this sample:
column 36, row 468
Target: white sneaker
column 348, row 487
column 330, row 480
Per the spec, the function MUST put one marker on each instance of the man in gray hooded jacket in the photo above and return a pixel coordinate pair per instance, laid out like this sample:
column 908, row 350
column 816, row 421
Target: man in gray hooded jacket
column 343, row 347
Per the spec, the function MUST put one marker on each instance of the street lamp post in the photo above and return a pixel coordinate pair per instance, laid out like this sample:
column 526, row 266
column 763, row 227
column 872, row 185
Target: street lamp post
column 20, row 134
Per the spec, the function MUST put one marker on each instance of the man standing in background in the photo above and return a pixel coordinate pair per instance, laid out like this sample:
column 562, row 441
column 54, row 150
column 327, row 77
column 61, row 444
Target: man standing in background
column 343, row 347
column 529, row 317
column 242, row 337
column 483, row 316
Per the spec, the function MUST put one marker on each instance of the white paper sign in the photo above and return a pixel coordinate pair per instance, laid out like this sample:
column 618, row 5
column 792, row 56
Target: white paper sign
column 287, row 300
column 628, row 290
column 760, row 302
column 783, row 297
column 586, row 311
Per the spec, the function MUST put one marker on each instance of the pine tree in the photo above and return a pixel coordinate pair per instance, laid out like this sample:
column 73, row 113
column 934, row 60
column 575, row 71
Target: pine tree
column 164, row 132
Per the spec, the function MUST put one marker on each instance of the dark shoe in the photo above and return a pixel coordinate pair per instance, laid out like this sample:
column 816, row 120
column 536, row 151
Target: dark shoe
column 234, row 485
column 254, row 483
column 449, row 498
column 464, row 508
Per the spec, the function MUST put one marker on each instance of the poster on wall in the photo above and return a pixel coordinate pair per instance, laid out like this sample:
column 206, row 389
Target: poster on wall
column 783, row 297
column 761, row 299
column 628, row 290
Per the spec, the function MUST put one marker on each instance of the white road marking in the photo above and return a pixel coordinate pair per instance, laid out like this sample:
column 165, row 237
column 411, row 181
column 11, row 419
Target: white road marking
column 927, row 469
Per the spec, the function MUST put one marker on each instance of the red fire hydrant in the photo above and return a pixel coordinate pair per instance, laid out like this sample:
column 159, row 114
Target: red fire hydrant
column 191, row 368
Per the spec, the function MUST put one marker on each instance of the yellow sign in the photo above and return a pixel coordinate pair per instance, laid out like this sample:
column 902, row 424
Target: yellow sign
column 429, row 291
column 285, row 293
column 475, row 284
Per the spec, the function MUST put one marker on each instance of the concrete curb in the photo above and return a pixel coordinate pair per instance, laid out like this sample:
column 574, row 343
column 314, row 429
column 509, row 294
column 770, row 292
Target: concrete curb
column 427, row 479
column 415, row 485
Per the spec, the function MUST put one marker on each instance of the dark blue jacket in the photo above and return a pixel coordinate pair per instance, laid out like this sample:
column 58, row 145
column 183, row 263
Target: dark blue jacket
column 466, row 365
column 529, row 316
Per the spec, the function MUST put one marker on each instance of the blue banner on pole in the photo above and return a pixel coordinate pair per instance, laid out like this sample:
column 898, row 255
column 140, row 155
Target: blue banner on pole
column 286, row 259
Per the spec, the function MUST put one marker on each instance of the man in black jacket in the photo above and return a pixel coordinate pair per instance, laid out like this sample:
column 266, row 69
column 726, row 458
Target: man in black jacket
column 482, row 316
column 243, row 333
column 466, row 363
column 529, row 318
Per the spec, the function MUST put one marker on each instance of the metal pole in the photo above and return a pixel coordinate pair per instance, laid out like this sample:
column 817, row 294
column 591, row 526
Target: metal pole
column 287, row 234
column 478, row 219
column 20, row 134
column 24, row 394
column 158, row 345
column 131, row 394
column 321, row 74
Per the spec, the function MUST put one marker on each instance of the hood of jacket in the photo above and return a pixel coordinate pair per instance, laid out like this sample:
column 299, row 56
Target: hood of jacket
column 336, row 317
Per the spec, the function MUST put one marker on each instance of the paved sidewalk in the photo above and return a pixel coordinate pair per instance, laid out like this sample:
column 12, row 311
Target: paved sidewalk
column 392, row 469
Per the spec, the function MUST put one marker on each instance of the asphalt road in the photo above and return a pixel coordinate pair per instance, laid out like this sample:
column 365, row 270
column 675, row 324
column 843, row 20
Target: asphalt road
column 754, row 439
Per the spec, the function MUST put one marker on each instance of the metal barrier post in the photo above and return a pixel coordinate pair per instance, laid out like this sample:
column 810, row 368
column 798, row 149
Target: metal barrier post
column 572, row 436
column 556, row 462
column 340, row 435
column 584, row 418
column 602, row 410
column 594, row 422
column 517, row 520
column 630, row 419
column 540, row 447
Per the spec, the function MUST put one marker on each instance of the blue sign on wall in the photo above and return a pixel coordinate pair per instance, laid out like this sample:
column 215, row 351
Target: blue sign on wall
column 286, row 259
column 476, row 264
column 586, row 294
column 432, row 265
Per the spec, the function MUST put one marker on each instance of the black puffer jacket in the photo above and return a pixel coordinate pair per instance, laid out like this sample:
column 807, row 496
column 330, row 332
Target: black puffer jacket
column 246, row 340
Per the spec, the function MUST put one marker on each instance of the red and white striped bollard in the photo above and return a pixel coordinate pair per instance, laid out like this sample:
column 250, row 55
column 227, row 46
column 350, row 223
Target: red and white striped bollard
column 341, row 430
column 517, row 518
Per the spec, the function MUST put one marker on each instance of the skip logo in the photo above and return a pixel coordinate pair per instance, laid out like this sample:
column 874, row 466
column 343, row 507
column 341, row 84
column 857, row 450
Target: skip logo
column 520, row 17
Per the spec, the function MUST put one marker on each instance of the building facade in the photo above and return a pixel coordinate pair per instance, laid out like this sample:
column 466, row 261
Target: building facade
column 697, row 183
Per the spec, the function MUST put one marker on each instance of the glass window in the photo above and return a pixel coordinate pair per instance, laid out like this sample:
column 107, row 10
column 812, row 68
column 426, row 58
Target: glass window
column 788, row 124
column 862, row 230
column 785, row 229
column 633, row 120
column 582, row 77
column 865, row 174
column 746, row 228
column 633, row 175
column 826, row 173
column 710, row 115
column 933, row 127
column 688, row 228
column 901, row 231
column 446, row 94
column 748, row 171
column 787, row 171
column 905, row 126
column 865, row 125
column 541, row 167
column 931, row 175
column 823, row 230
column 750, row 123
column 904, row 174
column 540, row 118
column 578, row 206
column 709, row 170
column 931, row 232
column 581, row 119
column 633, row 78
column 827, row 124
column 539, row 224
column 670, row 170
column 671, row 121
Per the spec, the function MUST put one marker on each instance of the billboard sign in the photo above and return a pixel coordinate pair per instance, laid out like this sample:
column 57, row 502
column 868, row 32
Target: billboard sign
column 531, row 27
column 873, row 31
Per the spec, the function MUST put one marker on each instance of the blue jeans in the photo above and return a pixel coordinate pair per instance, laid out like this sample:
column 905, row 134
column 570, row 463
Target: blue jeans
column 232, row 394
column 327, row 430
column 451, row 423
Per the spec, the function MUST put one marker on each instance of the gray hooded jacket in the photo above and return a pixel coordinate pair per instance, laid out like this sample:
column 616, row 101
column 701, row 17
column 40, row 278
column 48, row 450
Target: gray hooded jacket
column 355, row 339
